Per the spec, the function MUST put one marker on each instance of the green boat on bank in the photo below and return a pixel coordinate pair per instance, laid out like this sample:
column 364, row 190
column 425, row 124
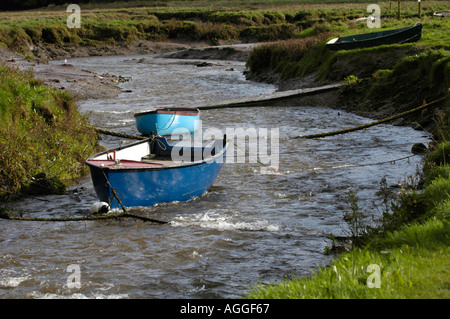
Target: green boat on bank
column 366, row 40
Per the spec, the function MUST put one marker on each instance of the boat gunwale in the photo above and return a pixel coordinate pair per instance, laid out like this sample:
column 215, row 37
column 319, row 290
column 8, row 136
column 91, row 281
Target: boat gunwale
column 122, row 162
column 152, row 168
column 169, row 110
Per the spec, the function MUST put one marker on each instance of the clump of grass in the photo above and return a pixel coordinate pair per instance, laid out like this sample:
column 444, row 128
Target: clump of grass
column 440, row 155
column 15, row 38
column 352, row 80
column 436, row 172
column 438, row 191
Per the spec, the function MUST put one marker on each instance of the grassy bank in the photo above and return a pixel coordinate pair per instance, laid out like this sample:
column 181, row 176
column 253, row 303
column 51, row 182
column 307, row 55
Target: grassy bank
column 207, row 21
column 43, row 138
column 307, row 54
column 106, row 26
column 382, row 81
column 409, row 268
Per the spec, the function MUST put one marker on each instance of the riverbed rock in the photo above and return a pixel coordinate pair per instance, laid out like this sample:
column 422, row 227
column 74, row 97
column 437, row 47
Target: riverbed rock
column 203, row 64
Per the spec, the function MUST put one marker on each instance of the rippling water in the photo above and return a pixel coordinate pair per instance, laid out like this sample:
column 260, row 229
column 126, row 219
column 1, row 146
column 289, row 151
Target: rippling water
column 249, row 227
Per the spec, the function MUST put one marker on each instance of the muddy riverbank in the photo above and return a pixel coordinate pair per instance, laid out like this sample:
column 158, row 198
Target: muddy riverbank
column 84, row 84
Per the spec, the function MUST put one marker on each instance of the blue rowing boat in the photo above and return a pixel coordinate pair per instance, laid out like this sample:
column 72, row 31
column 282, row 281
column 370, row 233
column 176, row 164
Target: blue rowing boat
column 167, row 121
column 153, row 171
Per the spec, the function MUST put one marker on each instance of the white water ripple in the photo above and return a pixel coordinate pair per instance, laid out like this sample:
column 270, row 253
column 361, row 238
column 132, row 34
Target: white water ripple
column 219, row 220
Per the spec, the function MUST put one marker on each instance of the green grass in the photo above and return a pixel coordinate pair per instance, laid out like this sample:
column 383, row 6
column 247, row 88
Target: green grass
column 41, row 132
column 413, row 263
column 245, row 5
column 198, row 21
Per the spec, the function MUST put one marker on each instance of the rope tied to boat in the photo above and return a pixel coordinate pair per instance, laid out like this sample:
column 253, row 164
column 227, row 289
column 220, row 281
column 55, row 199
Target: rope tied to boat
column 82, row 218
column 133, row 137
column 152, row 138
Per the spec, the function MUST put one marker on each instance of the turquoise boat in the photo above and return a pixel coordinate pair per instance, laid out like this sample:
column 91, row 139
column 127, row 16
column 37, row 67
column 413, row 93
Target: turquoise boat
column 367, row 40
column 167, row 121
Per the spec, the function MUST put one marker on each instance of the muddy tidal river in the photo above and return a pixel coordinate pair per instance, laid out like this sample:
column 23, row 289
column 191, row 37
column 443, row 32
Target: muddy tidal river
column 253, row 225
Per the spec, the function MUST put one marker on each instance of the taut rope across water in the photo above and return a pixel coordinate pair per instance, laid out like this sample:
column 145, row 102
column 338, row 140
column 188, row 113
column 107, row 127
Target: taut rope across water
column 361, row 127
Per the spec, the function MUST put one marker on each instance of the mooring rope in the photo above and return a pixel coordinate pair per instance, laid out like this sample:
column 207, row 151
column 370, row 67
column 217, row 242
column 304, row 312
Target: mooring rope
column 106, row 132
column 361, row 127
column 368, row 164
column 123, row 214
column 82, row 218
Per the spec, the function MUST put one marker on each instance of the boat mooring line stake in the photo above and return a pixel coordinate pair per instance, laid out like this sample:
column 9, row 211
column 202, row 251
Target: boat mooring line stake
column 361, row 127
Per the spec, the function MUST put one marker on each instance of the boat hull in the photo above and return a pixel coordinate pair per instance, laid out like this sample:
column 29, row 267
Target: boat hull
column 168, row 121
column 360, row 41
column 152, row 184
column 442, row 14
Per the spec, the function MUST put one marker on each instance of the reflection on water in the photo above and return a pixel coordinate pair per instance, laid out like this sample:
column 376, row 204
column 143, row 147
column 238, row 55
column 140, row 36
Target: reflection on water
column 249, row 227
